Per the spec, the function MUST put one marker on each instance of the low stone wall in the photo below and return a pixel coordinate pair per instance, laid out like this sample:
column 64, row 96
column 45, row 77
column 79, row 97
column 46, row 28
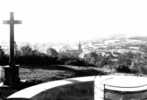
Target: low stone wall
column 30, row 92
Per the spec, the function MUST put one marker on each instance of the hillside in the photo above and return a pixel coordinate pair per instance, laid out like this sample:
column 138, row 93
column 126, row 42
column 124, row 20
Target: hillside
column 126, row 44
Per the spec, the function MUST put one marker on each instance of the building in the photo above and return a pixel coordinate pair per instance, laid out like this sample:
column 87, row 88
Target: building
column 75, row 52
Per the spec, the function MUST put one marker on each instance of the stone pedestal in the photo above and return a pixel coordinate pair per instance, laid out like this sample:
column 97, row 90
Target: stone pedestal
column 11, row 76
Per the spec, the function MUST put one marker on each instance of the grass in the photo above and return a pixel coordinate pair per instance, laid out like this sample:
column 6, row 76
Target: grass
column 55, row 72
column 43, row 75
column 79, row 91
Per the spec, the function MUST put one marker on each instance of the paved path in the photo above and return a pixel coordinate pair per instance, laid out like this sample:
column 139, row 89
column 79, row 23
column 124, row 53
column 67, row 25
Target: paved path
column 34, row 90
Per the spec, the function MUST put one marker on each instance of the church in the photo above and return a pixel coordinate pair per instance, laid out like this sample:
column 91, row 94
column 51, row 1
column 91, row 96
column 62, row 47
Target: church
column 75, row 52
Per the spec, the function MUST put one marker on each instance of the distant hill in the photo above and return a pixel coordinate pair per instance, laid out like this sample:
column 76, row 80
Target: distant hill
column 139, row 38
column 121, row 45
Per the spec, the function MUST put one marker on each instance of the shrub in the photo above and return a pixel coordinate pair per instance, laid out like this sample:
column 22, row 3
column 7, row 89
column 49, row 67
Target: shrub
column 3, row 57
column 97, row 59
column 123, row 69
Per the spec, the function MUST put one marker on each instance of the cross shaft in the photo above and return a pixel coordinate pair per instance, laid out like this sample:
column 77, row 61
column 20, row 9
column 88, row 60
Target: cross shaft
column 11, row 22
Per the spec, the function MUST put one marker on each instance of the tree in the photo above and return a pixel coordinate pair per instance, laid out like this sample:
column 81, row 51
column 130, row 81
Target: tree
column 123, row 69
column 1, row 52
column 52, row 52
column 126, row 59
column 99, row 60
column 16, row 50
column 26, row 50
column 36, row 52
column 3, row 57
column 91, row 58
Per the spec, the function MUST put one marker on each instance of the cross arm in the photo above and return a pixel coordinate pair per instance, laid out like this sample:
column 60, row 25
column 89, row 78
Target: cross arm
column 15, row 22
column 6, row 22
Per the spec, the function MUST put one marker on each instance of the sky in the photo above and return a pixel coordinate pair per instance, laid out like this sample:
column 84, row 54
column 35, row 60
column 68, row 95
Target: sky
column 71, row 21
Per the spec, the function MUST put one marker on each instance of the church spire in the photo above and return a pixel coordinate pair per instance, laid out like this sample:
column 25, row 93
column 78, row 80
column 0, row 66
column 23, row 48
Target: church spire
column 80, row 46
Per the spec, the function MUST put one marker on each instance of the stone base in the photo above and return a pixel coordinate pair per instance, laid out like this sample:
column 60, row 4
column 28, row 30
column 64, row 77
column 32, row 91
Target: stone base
column 11, row 76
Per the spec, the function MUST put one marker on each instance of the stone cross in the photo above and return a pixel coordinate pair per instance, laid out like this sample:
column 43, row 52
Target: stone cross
column 11, row 22
column 12, row 72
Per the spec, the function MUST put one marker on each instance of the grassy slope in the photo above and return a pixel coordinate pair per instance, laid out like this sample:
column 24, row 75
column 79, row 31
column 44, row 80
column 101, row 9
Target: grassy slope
column 43, row 74
column 79, row 91
column 54, row 72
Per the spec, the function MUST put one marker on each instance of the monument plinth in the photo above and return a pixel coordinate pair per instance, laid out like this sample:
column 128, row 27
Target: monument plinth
column 12, row 72
column 120, row 87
